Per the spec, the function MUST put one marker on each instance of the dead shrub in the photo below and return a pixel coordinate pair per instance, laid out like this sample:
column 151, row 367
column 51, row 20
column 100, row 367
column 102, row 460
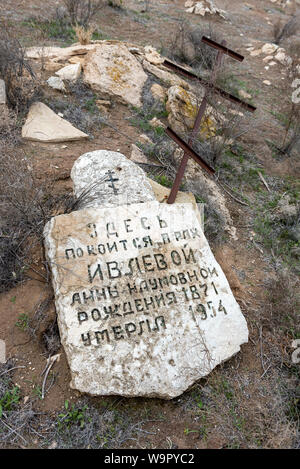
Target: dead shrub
column 186, row 46
column 84, row 35
column 20, row 80
column 25, row 207
column 81, row 12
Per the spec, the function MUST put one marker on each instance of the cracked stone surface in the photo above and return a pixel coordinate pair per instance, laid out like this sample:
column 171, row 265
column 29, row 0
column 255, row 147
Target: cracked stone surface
column 143, row 307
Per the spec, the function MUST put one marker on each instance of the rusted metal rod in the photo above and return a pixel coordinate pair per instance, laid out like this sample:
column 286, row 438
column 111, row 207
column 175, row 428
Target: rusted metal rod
column 196, row 127
column 191, row 153
column 224, row 49
column 177, row 68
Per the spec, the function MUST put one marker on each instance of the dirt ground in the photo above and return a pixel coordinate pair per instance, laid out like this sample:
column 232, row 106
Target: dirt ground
column 251, row 401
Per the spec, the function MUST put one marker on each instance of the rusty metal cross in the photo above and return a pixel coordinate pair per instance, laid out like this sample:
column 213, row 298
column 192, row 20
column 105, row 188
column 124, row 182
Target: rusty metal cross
column 188, row 151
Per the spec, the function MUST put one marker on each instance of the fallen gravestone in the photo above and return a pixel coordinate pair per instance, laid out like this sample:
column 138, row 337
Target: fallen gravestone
column 143, row 307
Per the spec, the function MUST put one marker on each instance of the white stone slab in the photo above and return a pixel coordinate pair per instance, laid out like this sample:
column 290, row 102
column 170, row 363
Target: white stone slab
column 43, row 125
column 143, row 307
column 108, row 179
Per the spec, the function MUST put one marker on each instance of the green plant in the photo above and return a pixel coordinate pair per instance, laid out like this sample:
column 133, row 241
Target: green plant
column 73, row 416
column 9, row 399
column 37, row 391
column 22, row 322
column 187, row 431
column 164, row 181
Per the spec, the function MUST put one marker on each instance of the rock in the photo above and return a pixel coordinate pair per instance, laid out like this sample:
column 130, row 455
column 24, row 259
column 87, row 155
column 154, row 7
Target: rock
column 268, row 58
column 76, row 59
column 43, row 125
column 167, row 78
column 269, row 48
column 103, row 102
column 56, row 83
column 283, row 58
column 155, row 122
column 182, row 107
column 113, row 70
column 286, row 211
column 189, row 3
column 137, row 155
column 198, row 182
column 144, row 139
column 58, row 53
column 153, row 56
column 103, row 105
column 70, row 72
column 162, row 193
column 158, row 92
column 143, row 307
column 2, row 92
column 267, row 82
column 203, row 7
column 102, row 173
column 255, row 52
column 243, row 94
column 52, row 66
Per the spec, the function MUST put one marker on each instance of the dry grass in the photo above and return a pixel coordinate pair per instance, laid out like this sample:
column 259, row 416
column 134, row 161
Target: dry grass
column 84, row 35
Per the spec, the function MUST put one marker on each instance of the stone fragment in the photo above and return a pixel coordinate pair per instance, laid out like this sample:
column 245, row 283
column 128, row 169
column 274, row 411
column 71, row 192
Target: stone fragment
column 182, row 107
column 137, row 155
column 70, row 72
column 56, row 83
column 166, row 77
column 269, row 48
column 255, row 53
column 153, row 56
column 109, row 179
column 203, row 7
column 282, row 58
column 113, row 70
column 268, row 58
column 155, row 122
column 76, row 59
column 158, row 92
column 243, row 94
column 43, row 125
column 58, row 53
